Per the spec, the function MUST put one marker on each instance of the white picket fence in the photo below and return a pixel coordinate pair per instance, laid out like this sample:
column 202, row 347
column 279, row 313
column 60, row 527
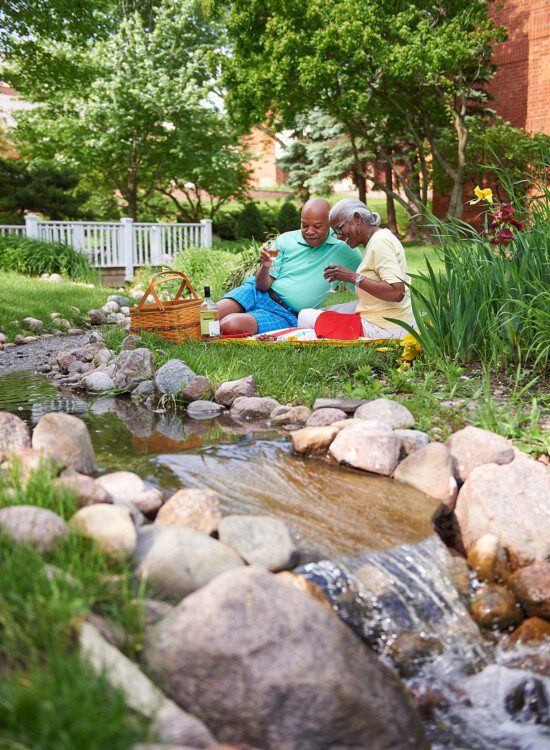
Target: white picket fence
column 124, row 244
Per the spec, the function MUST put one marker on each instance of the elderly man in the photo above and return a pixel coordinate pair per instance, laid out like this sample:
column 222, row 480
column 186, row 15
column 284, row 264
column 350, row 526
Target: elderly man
column 292, row 280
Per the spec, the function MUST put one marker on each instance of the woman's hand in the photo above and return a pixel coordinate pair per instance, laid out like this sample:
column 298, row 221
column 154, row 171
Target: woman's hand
column 339, row 273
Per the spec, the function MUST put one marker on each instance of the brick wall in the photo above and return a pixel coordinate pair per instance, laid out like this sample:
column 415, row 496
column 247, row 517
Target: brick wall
column 521, row 86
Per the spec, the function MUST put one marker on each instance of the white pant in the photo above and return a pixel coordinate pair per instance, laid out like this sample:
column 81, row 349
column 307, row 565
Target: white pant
column 307, row 318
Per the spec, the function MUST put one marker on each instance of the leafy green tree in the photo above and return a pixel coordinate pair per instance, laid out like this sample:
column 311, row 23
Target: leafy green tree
column 42, row 187
column 394, row 73
column 141, row 117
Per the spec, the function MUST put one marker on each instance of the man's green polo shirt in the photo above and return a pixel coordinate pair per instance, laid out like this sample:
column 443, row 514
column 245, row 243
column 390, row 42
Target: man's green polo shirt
column 298, row 269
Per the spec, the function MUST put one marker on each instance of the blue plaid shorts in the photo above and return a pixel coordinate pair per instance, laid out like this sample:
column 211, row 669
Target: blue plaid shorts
column 268, row 314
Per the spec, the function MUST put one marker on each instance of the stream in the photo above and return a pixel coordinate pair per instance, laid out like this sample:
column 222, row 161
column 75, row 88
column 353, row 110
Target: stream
column 366, row 541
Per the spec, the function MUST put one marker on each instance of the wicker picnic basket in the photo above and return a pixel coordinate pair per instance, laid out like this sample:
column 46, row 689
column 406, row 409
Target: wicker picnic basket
column 175, row 320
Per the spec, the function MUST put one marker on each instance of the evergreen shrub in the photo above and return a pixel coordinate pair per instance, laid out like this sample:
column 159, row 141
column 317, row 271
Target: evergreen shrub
column 35, row 257
column 288, row 218
column 250, row 224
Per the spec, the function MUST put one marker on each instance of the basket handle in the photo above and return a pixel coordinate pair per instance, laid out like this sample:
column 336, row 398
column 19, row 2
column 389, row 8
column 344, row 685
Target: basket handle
column 169, row 275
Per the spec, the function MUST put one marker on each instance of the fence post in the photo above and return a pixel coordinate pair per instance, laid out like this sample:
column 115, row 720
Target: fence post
column 156, row 245
column 31, row 226
column 206, row 232
column 78, row 236
column 127, row 243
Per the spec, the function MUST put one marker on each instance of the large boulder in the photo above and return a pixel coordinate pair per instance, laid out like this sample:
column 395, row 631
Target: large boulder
column 197, row 509
column 132, row 367
column 473, row 447
column 313, row 439
column 198, row 389
column 386, row 410
column 177, row 561
column 14, row 434
column 172, row 378
column 170, row 723
column 111, row 526
column 324, row 417
column 68, row 438
column 293, row 416
column 227, row 392
column 269, row 665
column 37, row 526
column 431, row 471
column 511, row 502
column 98, row 382
column 370, row 450
column 86, row 490
column 347, row 405
column 260, row 540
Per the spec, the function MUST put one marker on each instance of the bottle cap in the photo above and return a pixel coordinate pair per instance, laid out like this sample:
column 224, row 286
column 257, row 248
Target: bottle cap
column 207, row 291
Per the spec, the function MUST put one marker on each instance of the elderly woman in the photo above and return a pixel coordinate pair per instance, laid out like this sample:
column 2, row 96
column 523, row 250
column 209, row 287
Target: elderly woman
column 381, row 280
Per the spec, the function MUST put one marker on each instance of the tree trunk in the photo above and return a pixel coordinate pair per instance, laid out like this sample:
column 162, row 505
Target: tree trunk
column 390, row 203
column 456, row 205
column 411, row 230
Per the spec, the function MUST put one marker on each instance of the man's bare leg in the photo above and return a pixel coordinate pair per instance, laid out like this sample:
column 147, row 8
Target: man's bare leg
column 238, row 323
column 227, row 306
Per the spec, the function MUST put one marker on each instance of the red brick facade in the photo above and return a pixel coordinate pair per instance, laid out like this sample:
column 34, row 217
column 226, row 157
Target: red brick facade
column 521, row 86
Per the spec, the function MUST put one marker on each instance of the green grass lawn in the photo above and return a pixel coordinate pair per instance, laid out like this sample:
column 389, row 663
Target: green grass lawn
column 25, row 296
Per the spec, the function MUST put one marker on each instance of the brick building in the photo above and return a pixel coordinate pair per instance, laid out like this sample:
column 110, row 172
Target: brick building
column 521, row 86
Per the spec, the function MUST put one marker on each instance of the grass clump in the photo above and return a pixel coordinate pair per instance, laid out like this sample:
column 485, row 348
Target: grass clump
column 35, row 257
column 49, row 695
column 24, row 297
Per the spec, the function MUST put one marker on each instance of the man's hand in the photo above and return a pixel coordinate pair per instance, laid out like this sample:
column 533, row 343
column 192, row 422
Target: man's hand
column 339, row 273
column 266, row 258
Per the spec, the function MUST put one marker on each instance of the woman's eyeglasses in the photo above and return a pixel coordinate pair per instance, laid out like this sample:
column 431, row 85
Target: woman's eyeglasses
column 338, row 230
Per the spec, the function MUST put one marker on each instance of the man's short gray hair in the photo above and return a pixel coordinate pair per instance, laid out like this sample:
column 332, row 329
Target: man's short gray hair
column 347, row 207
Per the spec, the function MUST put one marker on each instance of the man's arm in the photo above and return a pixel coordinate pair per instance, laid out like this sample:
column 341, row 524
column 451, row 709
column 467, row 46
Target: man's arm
column 263, row 278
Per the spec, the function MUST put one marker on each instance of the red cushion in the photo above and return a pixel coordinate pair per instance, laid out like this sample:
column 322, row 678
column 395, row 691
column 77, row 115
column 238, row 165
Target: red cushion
column 335, row 325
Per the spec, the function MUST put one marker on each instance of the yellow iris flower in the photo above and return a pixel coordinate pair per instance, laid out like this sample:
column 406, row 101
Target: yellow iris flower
column 482, row 195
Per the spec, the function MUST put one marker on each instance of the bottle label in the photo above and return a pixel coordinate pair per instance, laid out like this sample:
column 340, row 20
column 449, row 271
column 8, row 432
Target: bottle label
column 214, row 328
column 210, row 323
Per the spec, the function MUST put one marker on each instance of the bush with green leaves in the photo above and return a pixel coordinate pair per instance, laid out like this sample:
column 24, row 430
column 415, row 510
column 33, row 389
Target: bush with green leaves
column 491, row 301
column 34, row 257
column 250, row 223
column 288, row 218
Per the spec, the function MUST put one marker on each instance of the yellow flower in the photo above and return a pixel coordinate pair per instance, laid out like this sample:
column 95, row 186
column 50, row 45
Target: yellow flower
column 409, row 341
column 382, row 348
column 482, row 195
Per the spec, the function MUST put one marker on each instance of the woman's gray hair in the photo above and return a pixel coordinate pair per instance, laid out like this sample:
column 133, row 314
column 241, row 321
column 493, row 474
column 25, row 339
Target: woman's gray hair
column 347, row 207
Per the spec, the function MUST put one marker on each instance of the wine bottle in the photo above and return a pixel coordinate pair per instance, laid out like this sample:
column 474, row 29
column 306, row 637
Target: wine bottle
column 209, row 317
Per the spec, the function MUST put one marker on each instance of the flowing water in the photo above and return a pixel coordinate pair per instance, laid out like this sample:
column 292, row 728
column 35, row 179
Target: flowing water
column 388, row 577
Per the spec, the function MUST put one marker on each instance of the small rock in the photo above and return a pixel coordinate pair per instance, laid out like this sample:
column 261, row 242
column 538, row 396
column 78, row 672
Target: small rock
column 120, row 300
column 97, row 317
column 37, row 526
column 75, row 332
column 143, row 390
column 111, row 631
column 66, row 436
column 489, row 559
column 75, row 311
column 124, row 485
column 111, row 307
column 259, row 540
column 197, row 509
column 110, row 526
column 386, row 410
column 296, row 415
column 347, row 405
column 531, row 630
column 204, row 409
column 431, row 471
column 136, row 294
column 199, row 389
column 130, row 342
column 30, row 460
column 55, row 315
column 98, row 382
column 227, row 392
column 61, row 323
column 20, row 340
column 3, row 338
column 413, row 440
column 75, row 367
column 531, row 585
column 473, row 447
column 33, row 324
column 14, row 434
column 324, row 417
column 87, row 491
column 410, row 650
column 173, row 377
column 132, row 368
column 313, row 439
column 252, row 407
column 495, row 606
column 55, row 278
column 64, row 359
column 370, row 450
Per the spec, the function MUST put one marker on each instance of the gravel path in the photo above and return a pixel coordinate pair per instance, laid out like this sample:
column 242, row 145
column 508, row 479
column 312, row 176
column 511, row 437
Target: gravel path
column 33, row 356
